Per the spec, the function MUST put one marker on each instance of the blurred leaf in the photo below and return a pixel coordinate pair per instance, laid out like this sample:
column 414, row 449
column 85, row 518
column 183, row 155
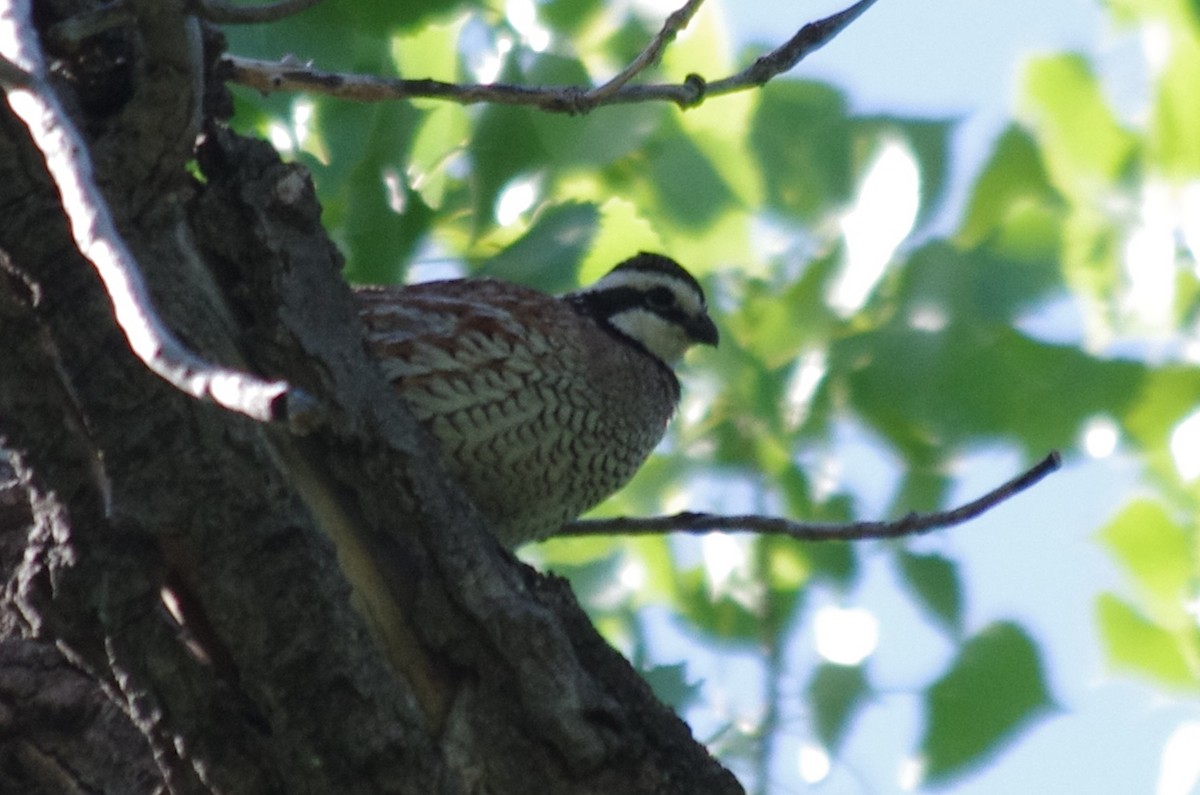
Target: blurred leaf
column 788, row 564
column 773, row 322
column 721, row 618
column 836, row 693
column 994, row 688
column 1012, row 182
column 376, row 217
column 594, row 139
column 548, row 255
column 836, row 561
column 591, row 579
column 969, row 383
column 442, row 133
column 688, row 187
column 1157, row 554
column 1167, row 395
column 430, row 52
column 1083, row 145
column 1133, row 643
column 1173, row 139
column 505, row 145
column 350, row 35
column 569, row 16
column 923, row 487
column 801, row 136
column 935, row 582
column 622, row 233
column 975, row 285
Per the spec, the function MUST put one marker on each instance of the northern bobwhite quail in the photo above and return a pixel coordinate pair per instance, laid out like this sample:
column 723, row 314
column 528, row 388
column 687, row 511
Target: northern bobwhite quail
column 543, row 405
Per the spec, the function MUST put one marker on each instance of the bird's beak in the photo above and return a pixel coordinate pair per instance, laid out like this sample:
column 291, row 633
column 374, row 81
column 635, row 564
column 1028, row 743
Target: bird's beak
column 703, row 330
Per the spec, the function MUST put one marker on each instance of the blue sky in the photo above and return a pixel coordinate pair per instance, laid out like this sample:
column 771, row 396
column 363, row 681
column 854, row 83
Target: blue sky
column 1034, row 560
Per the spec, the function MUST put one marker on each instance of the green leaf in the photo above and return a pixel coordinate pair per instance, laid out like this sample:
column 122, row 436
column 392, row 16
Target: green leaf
column 975, row 285
column 569, row 16
column 622, row 232
column 969, row 382
column 430, row 52
column 1156, row 552
column 1136, row 644
column 722, row 618
column 548, row 255
column 1012, row 182
column 443, row 132
column 1083, row 144
column 836, row 693
column 374, row 215
column 688, row 188
column 1168, row 394
column 505, row 145
column 935, row 582
column 994, row 688
column 1173, row 139
column 801, row 137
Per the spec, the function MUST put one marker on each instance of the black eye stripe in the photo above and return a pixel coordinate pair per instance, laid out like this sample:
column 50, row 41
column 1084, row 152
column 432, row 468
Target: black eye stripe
column 603, row 304
column 658, row 298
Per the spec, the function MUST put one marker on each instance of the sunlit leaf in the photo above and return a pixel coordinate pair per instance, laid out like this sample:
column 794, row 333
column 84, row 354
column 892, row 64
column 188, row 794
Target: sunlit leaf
column 994, row 688
column 442, row 133
column 1012, row 182
column 622, row 232
column 430, row 52
column 1174, row 136
column 1136, row 644
column 1156, row 553
column 1083, row 144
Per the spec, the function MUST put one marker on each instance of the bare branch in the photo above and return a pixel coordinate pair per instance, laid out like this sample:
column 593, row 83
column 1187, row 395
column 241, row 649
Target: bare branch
column 910, row 525
column 269, row 76
column 808, row 40
column 650, row 55
column 226, row 13
column 32, row 99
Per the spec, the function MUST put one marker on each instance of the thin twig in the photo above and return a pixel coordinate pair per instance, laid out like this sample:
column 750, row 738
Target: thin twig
column 807, row 40
column 224, row 12
column 270, row 76
column 33, row 100
column 650, row 55
column 910, row 525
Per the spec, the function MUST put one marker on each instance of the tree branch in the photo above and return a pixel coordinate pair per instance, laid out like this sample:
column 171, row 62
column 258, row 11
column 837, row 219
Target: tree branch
column 650, row 55
column 910, row 525
column 33, row 100
column 288, row 75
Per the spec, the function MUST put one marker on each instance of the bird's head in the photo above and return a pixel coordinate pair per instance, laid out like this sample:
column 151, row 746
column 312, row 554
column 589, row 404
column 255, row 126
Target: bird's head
column 653, row 301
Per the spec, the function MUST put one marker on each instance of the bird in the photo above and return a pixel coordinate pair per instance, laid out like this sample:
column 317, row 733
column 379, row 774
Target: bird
column 542, row 405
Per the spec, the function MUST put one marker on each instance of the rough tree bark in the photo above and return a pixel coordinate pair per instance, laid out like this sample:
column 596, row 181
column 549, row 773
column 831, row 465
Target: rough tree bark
column 174, row 616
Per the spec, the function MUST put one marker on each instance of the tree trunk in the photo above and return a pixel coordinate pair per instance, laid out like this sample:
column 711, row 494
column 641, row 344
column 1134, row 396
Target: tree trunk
column 197, row 602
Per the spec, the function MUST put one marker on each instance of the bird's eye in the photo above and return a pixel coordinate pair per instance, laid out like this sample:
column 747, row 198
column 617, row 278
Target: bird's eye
column 660, row 298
